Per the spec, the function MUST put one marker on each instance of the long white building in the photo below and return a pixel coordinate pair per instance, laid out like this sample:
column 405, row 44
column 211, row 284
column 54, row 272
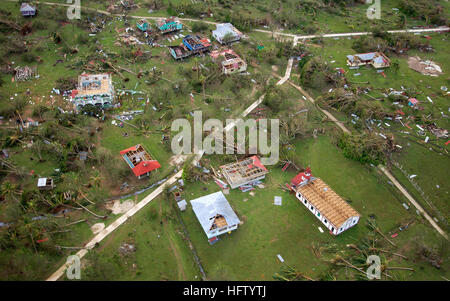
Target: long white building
column 326, row 205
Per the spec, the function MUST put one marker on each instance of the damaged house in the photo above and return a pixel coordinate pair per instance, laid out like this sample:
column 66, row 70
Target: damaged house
column 229, row 61
column 244, row 172
column 169, row 25
column 143, row 25
column 27, row 10
column 93, row 89
column 326, row 205
column 179, row 52
column 376, row 59
column 24, row 73
column 226, row 33
column 140, row 162
column 45, row 183
column 215, row 215
column 196, row 44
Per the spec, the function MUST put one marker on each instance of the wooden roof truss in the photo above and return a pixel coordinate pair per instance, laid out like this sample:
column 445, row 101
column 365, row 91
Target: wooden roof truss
column 327, row 202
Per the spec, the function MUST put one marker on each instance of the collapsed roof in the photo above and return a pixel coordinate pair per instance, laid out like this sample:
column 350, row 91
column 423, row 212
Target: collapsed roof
column 139, row 160
column 214, row 212
column 244, row 172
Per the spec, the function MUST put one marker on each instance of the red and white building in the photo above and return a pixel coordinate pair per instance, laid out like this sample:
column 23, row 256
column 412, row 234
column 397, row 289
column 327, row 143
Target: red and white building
column 140, row 162
column 326, row 205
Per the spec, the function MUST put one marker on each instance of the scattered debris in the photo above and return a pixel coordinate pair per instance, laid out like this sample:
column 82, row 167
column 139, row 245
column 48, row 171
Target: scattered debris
column 126, row 249
column 97, row 228
column 118, row 207
column 425, row 67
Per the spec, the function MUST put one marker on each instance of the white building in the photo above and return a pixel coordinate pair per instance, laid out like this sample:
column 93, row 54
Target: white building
column 224, row 31
column 326, row 205
column 45, row 183
column 215, row 215
column 94, row 89
column 229, row 61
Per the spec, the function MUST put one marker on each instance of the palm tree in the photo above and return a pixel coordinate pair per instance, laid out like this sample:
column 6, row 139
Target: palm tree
column 96, row 178
column 10, row 190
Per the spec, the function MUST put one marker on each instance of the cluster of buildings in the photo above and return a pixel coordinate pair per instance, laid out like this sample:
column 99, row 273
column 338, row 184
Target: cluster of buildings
column 217, row 217
column 227, row 59
column 214, row 213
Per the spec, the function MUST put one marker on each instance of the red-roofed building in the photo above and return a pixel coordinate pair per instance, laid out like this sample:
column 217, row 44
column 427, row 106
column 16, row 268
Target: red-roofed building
column 140, row 162
column 302, row 178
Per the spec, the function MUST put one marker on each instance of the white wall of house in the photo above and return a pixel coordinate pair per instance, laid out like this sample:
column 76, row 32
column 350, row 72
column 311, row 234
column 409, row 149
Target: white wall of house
column 217, row 232
column 348, row 224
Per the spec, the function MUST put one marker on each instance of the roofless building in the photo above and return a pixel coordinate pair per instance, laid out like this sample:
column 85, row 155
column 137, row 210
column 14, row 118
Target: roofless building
column 326, row 205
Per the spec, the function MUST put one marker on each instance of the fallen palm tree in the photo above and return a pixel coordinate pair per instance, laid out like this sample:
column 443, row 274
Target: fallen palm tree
column 288, row 273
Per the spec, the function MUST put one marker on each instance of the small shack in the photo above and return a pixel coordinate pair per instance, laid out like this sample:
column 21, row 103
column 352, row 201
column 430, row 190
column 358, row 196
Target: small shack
column 27, row 10
column 215, row 215
column 45, row 183
column 182, row 205
column 143, row 25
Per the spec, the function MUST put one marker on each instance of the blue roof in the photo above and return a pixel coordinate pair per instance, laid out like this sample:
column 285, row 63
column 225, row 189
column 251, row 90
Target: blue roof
column 366, row 56
column 208, row 206
column 379, row 60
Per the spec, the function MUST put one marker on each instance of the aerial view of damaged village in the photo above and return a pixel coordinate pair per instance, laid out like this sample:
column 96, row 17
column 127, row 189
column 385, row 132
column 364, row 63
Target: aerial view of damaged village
column 224, row 140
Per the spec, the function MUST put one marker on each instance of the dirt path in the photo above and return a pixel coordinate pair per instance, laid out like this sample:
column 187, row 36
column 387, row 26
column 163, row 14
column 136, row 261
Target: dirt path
column 295, row 37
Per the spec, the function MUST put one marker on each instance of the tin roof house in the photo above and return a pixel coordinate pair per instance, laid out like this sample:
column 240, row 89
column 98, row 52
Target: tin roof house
column 226, row 33
column 27, row 10
column 169, row 25
column 179, row 52
column 143, row 24
column 229, row 61
column 215, row 215
column 93, row 89
column 140, row 162
column 376, row 59
column 244, row 172
column 326, row 205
